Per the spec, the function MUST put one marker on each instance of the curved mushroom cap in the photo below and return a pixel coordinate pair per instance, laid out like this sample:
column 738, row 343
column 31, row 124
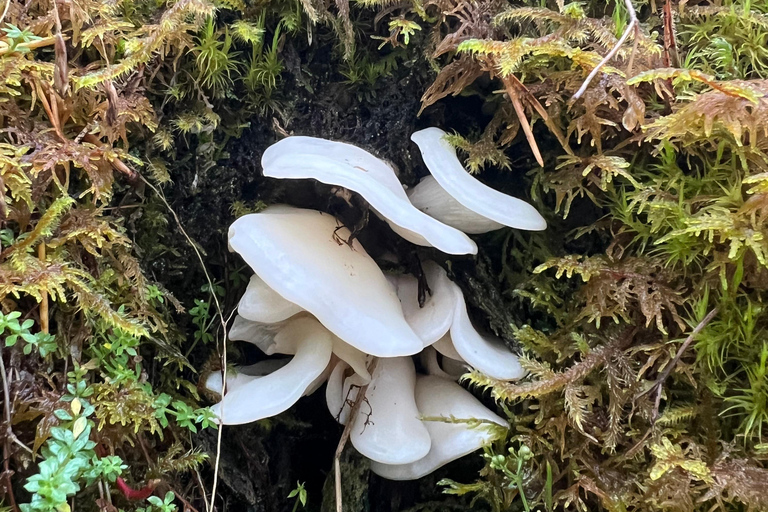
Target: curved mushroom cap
column 272, row 394
column 485, row 353
column 260, row 303
column 297, row 253
column 387, row 427
column 261, row 335
column 432, row 199
column 440, row 158
column 270, row 339
column 240, row 375
column 335, row 398
column 341, row 391
column 353, row 357
column 433, row 320
column 348, row 166
column 438, row 397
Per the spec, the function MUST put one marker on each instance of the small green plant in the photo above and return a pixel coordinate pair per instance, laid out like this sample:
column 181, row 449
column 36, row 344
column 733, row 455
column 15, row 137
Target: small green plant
column 13, row 330
column 18, row 38
column 157, row 504
column 300, row 493
column 69, row 460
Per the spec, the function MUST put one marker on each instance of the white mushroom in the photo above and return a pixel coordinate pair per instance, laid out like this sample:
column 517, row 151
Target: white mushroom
column 240, row 375
column 341, row 391
column 444, row 323
column 387, row 427
column 270, row 340
column 453, row 196
column 298, row 254
column 348, row 166
column 266, row 396
column 261, row 335
column 433, row 320
column 486, row 353
column 334, row 392
column 438, row 397
column 260, row 303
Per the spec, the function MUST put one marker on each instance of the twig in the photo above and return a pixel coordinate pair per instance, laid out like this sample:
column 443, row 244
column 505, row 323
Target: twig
column 16, row 440
column 5, row 10
column 44, row 301
column 657, row 386
column 116, row 163
column 520, row 111
column 634, row 25
column 345, row 435
column 208, row 506
column 6, row 450
column 31, row 45
column 187, row 505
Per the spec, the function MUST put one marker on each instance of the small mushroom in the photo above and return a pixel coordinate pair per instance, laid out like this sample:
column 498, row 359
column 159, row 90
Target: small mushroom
column 348, row 166
column 387, row 426
column 298, row 253
column 441, row 398
column 444, row 323
column 486, row 353
column 260, row 303
column 265, row 396
column 270, row 340
column 432, row 320
column 240, row 375
column 453, row 196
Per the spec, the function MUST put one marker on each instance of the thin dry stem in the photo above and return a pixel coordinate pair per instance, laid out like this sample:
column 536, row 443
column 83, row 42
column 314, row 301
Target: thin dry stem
column 520, row 111
column 634, row 25
column 5, row 10
column 658, row 385
column 220, row 313
column 6, row 450
column 44, row 302
column 31, row 45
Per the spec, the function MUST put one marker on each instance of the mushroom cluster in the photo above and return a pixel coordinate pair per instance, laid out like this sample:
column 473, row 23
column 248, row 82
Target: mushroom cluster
column 327, row 304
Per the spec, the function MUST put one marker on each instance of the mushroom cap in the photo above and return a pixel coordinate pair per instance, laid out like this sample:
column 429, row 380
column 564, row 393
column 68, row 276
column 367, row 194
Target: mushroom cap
column 260, row 303
column 387, row 427
column 261, row 335
column 486, row 353
column 353, row 357
column 433, row 320
column 270, row 340
column 296, row 252
column 440, row 158
column 341, row 391
column 438, row 397
column 432, row 199
column 348, row 166
column 262, row 397
column 335, row 396
column 240, row 375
